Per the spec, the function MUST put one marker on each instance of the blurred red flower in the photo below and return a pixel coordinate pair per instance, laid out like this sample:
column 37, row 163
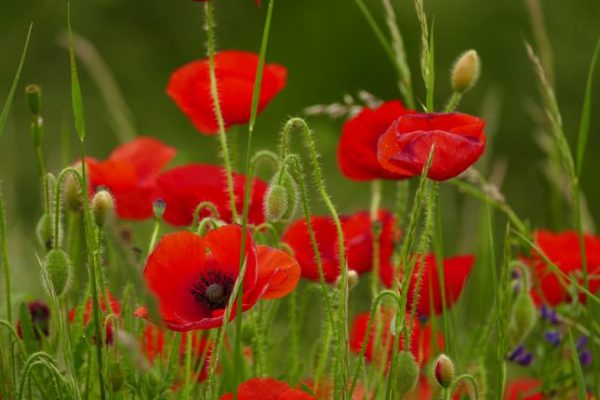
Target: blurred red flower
column 458, row 138
column 193, row 276
column 359, row 243
column 357, row 149
column 189, row 87
column 524, row 389
column 40, row 319
column 563, row 250
column 130, row 175
column 421, row 338
column 456, row 271
column 115, row 307
column 183, row 188
column 267, row 389
column 153, row 342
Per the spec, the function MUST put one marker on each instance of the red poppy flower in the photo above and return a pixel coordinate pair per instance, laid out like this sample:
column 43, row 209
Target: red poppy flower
column 189, row 87
column 357, row 150
column 456, row 271
column 359, row 243
column 183, row 188
column 563, row 250
column 458, row 138
column 267, row 389
column 193, row 276
column 87, row 315
column 40, row 319
column 130, row 174
column 153, row 341
column 421, row 339
column 524, row 389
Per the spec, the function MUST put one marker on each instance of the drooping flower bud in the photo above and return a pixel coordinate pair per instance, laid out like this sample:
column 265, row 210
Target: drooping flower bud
column 58, row 270
column 444, row 371
column 43, row 231
column 293, row 194
column 276, row 202
column 72, row 191
column 523, row 317
column 158, row 208
column 465, row 71
column 408, row 372
column 102, row 206
column 34, row 98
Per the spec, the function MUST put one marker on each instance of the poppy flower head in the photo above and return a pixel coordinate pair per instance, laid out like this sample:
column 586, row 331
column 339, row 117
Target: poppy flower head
column 456, row 270
column 524, row 389
column 267, row 389
column 357, row 149
column 421, row 338
column 193, row 276
column 183, row 188
column 358, row 238
column 563, row 250
column 40, row 319
column 235, row 71
column 130, row 174
column 459, row 141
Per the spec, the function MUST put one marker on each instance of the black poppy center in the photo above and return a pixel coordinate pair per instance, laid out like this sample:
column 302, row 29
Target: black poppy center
column 212, row 289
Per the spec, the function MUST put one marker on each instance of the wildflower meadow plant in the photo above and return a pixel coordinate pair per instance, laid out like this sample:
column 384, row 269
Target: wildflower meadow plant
column 205, row 281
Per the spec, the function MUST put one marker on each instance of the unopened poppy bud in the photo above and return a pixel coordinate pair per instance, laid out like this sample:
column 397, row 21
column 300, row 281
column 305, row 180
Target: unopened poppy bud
column 102, row 206
column 408, row 372
column 72, row 191
column 523, row 317
column 465, row 71
column 58, row 270
column 292, row 194
column 276, row 202
column 444, row 371
column 158, row 208
column 352, row 278
column 43, row 231
column 34, row 98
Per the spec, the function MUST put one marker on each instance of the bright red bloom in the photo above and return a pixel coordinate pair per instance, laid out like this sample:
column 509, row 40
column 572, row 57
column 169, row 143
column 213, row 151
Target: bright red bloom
column 456, row 271
column 359, row 243
column 115, row 308
column 193, row 276
column 183, row 188
column 563, row 250
column 267, row 389
column 524, row 389
column 130, row 174
column 153, row 342
column 421, row 339
column 189, row 87
column 357, row 150
column 458, row 138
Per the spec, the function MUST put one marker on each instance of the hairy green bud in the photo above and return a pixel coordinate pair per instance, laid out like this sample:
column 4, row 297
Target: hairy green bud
column 276, row 202
column 443, row 371
column 465, row 71
column 408, row 372
column 102, row 206
column 43, row 231
column 58, row 270
column 523, row 317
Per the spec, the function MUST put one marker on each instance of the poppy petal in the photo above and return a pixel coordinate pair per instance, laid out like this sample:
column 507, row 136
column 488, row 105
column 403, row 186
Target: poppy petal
column 279, row 271
column 146, row 155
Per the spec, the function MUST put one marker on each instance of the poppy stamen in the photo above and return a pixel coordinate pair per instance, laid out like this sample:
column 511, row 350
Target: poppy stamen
column 212, row 290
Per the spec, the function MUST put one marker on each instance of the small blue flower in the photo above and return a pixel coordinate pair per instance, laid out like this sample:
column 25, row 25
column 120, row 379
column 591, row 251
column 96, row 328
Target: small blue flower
column 526, row 359
column 552, row 337
column 585, row 358
column 516, row 353
column 582, row 342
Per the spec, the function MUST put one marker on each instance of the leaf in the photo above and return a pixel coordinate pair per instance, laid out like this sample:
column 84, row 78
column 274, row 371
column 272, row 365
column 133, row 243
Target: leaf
column 76, row 99
column 27, row 331
column 13, row 88
column 586, row 112
column 577, row 371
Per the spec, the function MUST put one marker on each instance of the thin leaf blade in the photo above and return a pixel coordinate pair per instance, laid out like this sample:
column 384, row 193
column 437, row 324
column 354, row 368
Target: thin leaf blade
column 76, row 98
column 586, row 112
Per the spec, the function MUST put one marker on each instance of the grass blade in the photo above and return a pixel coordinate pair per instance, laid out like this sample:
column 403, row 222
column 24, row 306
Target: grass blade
column 76, row 97
column 586, row 112
column 13, row 88
column 577, row 371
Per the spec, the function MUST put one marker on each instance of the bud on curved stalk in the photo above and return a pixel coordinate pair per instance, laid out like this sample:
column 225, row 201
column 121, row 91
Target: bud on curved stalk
column 523, row 317
column 293, row 194
column 102, row 205
column 408, row 372
column 58, row 270
column 34, row 98
column 352, row 279
column 43, row 231
column 443, row 371
column 465, row 71
column 158, row 208
column 72, row 191
column 276, row 202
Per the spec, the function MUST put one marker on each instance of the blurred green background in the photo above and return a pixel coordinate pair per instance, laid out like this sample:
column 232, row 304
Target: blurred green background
column 329, row 51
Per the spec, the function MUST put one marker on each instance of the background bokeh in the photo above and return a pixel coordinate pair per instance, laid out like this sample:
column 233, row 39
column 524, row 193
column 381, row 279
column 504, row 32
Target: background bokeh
column 328, row 50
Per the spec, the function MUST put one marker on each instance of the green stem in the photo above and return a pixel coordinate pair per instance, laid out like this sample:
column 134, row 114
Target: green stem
column 7, row 281
column 214, row 93
column 453, row 102
column 376, row 232
column 439, row 258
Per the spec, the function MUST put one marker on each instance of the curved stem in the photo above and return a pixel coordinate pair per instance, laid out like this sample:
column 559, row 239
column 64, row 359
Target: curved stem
column 463, row 377
column 57, row 200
